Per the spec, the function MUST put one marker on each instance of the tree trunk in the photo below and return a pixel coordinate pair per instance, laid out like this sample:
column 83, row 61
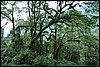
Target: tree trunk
column 13, row 21
column 55, row 43
column 2, row 32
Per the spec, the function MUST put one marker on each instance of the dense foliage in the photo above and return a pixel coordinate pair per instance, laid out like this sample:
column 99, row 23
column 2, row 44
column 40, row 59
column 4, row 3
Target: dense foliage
column 58, row 36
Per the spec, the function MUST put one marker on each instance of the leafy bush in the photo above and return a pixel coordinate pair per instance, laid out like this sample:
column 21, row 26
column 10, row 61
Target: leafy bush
column 65, row 63
column 24, row 57
column 7, row 54
column 43, row 61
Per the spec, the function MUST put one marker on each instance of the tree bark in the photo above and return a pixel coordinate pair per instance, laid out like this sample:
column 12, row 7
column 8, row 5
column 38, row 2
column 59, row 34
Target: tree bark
column 55, row 45
column 13, row 23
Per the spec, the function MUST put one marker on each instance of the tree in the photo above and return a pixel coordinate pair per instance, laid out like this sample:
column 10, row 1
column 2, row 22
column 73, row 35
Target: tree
column 62, row 35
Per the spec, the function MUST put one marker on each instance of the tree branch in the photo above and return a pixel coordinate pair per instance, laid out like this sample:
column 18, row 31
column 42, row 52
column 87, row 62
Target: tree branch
column 47, row 11
column 59, row 47
column 38, row 35
column 74, row 39
column 6, row 16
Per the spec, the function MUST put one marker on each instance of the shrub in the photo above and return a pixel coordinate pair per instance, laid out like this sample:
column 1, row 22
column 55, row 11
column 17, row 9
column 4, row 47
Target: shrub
column 43, row 61
column 24, row 57
column 7, row 54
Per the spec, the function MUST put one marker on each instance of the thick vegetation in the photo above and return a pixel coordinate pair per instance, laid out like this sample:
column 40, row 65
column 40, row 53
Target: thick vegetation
column 58, row 36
